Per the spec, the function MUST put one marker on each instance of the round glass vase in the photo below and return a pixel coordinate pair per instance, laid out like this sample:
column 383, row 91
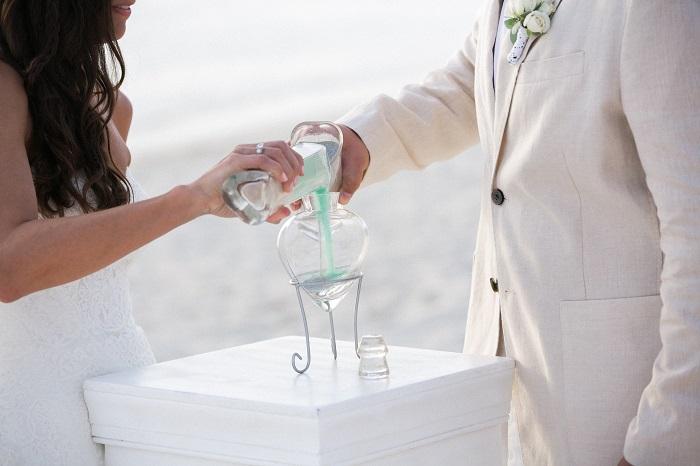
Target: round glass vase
column 323, row 248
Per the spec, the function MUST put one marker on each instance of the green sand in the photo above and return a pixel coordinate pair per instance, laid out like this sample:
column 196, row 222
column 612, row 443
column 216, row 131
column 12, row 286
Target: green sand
column 328, row 270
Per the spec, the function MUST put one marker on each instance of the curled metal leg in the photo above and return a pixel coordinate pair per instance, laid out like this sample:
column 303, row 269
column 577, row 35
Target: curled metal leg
column 325, row 306
column 357, row 307
column 333, row 345
column 297, row 356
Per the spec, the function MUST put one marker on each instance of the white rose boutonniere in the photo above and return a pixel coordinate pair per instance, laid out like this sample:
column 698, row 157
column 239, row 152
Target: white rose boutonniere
column 547, row 7
column 521, row 7
column 537, row 22
column 527, row 18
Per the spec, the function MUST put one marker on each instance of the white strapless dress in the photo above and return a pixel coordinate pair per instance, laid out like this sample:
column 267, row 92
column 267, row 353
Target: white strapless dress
column 50, row 342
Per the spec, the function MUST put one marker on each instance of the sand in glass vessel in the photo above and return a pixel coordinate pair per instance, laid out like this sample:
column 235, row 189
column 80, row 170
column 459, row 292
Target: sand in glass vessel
column 322, row 249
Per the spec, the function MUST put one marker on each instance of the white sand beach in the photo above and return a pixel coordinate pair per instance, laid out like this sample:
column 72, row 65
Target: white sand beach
column 207, row 77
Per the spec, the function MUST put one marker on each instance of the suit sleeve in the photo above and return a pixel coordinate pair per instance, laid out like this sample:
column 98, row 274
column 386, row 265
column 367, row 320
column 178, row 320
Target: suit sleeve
column 660, row 90
column 427, row 122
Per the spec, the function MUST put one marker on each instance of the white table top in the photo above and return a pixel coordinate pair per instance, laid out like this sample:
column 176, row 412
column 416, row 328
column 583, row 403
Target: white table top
column 259, row 377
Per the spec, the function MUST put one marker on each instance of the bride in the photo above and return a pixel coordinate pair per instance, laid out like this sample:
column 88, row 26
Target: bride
column 71, row 212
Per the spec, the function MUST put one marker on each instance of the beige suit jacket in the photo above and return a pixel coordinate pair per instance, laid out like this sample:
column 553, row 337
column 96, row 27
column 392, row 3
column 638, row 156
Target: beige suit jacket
column 594, row 141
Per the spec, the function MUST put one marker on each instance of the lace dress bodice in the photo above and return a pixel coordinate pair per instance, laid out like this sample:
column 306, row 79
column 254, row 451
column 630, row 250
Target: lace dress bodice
column 50, row 342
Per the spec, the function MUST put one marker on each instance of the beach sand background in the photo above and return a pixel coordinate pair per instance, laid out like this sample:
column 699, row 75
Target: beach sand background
column 206, row 76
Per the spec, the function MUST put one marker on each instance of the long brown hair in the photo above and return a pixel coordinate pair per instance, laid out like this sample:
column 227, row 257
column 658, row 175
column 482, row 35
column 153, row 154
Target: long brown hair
column 72, row 67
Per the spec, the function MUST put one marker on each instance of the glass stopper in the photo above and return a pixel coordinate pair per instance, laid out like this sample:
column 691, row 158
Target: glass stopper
column 373, row 363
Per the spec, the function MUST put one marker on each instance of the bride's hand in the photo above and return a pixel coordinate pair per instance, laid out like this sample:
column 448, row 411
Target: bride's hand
column 277, row 158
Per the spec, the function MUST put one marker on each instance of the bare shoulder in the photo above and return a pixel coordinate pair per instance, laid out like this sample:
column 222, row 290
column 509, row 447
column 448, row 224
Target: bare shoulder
column 14, row 113
column 123, row 105
column 10, row 77
column 123, row 113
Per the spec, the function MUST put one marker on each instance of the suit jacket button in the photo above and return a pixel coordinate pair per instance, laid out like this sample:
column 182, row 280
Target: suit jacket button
column 497, row 196
column 494, row 284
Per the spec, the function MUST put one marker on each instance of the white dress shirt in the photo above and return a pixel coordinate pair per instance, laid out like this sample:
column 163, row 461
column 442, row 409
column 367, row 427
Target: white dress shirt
column 499, row 38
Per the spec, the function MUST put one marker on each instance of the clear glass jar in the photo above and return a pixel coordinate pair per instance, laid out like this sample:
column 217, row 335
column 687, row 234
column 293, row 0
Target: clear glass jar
column 254, row 195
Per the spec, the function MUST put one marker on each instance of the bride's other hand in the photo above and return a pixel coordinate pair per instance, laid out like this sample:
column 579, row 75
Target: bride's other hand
column 277, row 158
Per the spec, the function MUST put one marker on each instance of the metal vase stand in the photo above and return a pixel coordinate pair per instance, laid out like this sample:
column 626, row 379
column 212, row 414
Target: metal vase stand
column 297, row 356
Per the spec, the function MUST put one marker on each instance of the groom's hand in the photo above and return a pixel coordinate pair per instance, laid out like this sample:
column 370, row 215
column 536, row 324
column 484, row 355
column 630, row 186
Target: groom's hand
column 355, row 160
column 277, row 217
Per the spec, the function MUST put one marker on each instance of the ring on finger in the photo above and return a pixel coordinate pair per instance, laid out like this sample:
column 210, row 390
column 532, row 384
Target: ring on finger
column 260, row 148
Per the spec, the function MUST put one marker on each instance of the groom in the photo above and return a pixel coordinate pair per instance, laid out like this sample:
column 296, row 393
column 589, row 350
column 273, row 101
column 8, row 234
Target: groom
column 588, row 250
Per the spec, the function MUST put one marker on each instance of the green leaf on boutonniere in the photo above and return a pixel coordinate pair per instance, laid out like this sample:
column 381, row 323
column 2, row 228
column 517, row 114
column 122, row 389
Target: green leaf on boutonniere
column 510, row 22
column 514, row 35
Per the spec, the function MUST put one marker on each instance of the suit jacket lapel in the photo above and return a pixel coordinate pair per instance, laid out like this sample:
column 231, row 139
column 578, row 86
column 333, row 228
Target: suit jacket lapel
column 505, row 86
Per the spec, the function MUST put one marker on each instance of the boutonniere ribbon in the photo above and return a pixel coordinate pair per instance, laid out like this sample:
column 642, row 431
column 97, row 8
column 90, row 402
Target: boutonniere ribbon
column 526, row 19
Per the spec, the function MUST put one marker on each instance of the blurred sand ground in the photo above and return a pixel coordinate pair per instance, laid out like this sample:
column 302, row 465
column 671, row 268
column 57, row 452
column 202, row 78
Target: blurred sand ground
column 203, row 80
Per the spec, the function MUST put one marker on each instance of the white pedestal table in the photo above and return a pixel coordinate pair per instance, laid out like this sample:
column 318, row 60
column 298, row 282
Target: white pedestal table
column 246, row 406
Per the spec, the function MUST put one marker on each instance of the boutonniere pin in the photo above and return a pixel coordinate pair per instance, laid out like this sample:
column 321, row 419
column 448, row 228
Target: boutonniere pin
column 526, row 19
